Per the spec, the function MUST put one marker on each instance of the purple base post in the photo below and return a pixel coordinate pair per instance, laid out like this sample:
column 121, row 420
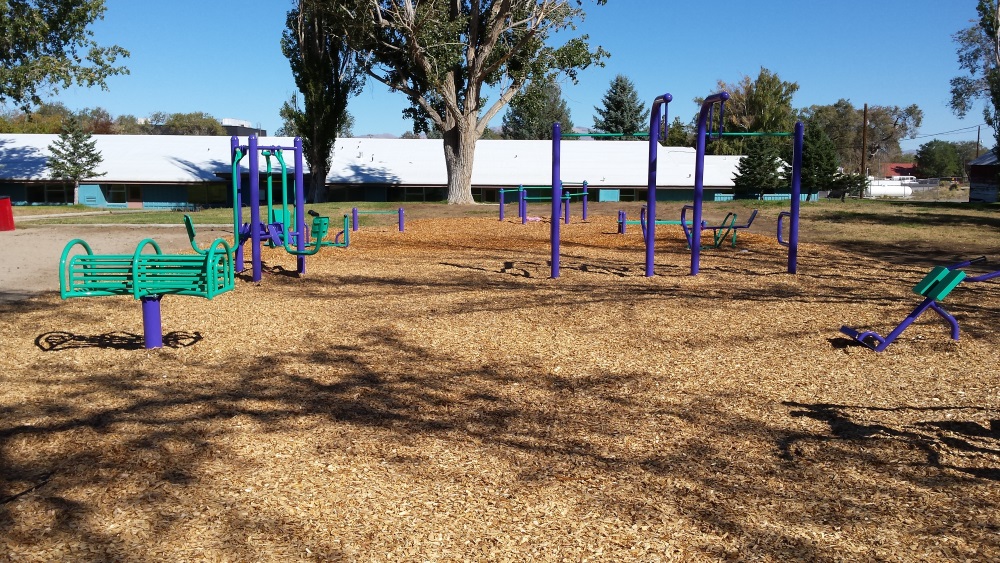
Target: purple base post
column 401, row 219
column 354, row 219
column 585, row 197
column 152, row 325
column 522, row 205
column 566, row 209
column 503, row 203
column 555, row 234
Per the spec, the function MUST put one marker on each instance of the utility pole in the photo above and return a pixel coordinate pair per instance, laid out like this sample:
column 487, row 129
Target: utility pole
column 864, row 152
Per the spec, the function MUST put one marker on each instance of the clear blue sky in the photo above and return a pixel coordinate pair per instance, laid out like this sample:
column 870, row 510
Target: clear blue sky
column 224, row 58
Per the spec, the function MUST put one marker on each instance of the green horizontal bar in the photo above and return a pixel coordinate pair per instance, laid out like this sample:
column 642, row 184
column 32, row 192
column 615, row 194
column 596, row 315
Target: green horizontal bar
column 755, row 134
column 605, row 134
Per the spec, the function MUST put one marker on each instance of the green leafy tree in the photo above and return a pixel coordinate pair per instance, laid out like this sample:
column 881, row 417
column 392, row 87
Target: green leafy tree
column 47, row 118
column 532, row 112
column 621, row 110
column 47, row 45
column 819, row 162
column 194, row 123
column 845, row 124
column 758, row 172
column 853, row 184
column 74, row 156
column 291, row 115
column 937, row 159
column 442, row 55
column 755, row 105
column 328, row 73
column 979, row 56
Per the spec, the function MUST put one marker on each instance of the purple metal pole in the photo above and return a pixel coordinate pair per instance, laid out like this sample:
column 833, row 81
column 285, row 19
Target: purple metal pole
column 401, row 225
column 793, row 229
column 585, row 197
column 522, row 204
column 254, row 164
column 503, row 203
column 300, row 207
column 237, row 205
column 699, row 178
column 566, row 210
column 354, row 219
column 152, row 326
column 621, row 221
column 649, row 231
column 556, row 198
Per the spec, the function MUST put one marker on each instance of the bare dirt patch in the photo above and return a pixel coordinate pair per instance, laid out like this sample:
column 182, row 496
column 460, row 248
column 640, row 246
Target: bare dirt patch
column 433, row 395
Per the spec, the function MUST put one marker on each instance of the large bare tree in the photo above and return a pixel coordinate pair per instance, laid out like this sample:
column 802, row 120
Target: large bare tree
column 445, row 55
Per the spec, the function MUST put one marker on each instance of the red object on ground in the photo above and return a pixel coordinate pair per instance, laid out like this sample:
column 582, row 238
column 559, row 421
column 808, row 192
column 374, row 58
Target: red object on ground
column 6, row 214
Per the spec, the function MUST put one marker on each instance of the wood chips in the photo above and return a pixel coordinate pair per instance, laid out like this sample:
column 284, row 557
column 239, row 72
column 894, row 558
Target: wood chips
column 433, row 395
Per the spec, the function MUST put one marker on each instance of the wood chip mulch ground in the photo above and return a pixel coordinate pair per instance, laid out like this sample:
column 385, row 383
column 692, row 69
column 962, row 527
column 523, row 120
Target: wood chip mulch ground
column 433, row 395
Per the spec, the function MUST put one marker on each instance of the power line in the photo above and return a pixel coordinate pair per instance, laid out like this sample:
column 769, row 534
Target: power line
column 952, row 132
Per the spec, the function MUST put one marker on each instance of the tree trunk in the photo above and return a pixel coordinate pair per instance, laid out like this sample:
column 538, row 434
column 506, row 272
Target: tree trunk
column 318, row 170
column 459, row 154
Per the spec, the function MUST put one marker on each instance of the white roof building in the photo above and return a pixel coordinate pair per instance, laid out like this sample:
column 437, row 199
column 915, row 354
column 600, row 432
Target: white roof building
column 160, row 159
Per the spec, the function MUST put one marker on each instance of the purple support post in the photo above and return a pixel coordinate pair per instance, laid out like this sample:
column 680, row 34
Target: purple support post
column 522, row 204
column 503, row 203
column 566, row 209
column 354, row 219
column 621, row 221
column 585, row 197
column 152, row 326
column 254, row 164
column 699, row 176
column 237, row 205
column 793, row 228
column 300, row 207
column 401, row 225
column 649, row 230
column 554, row 234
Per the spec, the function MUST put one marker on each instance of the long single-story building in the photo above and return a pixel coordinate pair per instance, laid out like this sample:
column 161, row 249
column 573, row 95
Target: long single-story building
column 177, row 172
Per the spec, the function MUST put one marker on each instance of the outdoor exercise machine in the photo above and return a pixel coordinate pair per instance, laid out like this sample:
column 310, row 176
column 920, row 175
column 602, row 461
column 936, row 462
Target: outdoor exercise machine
column 147, row 275
column 282, row 228
column 935, row 286
column 523, row 198
column 704, row 134
column 721, row 231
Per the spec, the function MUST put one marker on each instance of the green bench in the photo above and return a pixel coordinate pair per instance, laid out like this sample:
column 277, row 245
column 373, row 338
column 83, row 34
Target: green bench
column 147, row 274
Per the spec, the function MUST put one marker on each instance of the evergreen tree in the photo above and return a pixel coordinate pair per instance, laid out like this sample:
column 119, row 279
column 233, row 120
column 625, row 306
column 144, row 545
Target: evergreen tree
column 622, row 111
column 757, row 172
column 819, row 162
column 74, row 156
column 532, row 112
column 678, row 135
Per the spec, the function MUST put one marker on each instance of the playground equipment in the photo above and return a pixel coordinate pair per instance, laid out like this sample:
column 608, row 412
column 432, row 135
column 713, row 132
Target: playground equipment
column 523, row 198
column 623, row 221
column 283, row 228
column 147, row 276
column 935, row 286
column 721, row 231
column 705, row 119
column 355, row 212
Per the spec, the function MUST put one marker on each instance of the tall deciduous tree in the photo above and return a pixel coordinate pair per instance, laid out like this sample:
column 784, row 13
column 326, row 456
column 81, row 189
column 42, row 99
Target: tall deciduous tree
column 678, row 134
column 46, row 45
column 74, row 156
column 532, row 112
column 979, row 55
column 621, row 110
column 327, row 72
column 442, row 54
column 194, row 123
column 761, row 104
column 844, row 124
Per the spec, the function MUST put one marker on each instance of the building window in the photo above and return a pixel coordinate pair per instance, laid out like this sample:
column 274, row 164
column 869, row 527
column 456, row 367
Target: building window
column 114, row 193
column 49, row 194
